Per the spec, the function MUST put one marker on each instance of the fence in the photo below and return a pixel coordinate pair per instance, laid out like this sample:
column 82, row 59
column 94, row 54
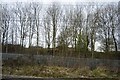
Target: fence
column 65, row 61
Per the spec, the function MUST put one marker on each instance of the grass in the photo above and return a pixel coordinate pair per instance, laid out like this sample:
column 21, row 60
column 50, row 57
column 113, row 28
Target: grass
column 55, row 71
column 20, row 67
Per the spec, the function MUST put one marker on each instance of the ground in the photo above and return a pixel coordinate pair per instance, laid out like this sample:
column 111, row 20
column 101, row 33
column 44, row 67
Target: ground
column 55, row 71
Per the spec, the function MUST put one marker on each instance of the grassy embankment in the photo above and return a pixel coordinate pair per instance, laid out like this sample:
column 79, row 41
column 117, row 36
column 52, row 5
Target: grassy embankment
column 55, row 71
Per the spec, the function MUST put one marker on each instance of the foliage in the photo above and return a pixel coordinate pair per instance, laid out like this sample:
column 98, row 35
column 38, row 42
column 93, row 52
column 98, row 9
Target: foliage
column 81, row 44
column 99, row 72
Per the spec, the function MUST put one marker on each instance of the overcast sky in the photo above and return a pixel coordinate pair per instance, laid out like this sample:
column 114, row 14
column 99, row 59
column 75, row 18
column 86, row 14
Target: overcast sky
column 61, row 1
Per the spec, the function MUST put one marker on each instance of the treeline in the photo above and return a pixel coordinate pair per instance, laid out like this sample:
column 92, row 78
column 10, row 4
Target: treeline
column 79, row 28
column 70, row 52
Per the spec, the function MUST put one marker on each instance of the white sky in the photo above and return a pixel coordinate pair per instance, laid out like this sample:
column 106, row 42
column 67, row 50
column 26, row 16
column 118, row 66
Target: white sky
column 61, row 1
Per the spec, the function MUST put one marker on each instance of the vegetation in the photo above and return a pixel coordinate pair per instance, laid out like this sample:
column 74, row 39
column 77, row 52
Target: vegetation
column 78, row 27
column 55, row 71
column 20, row 67
column 61, row 51
column 59, row 30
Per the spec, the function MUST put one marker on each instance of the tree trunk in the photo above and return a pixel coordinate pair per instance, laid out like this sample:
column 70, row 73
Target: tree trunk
column 92, row 46
column 54, row 33
column 12, row 36
column 115, row 43
column 30, row 35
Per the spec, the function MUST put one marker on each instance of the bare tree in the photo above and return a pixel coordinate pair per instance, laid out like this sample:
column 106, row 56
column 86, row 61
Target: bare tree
column 113, row 25
column 5, row 20
column 47, row 27
column 108, row 23
column 78, row 25
column 36, row 9
column 54, row 13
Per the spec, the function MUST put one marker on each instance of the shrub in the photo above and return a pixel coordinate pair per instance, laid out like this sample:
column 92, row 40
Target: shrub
column 99, row 72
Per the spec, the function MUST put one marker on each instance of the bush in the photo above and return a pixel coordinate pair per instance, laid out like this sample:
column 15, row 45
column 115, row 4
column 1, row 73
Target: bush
column 99, row 72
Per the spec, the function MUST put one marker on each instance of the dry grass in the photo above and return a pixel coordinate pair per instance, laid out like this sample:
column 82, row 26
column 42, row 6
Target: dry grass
column 55, row 71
